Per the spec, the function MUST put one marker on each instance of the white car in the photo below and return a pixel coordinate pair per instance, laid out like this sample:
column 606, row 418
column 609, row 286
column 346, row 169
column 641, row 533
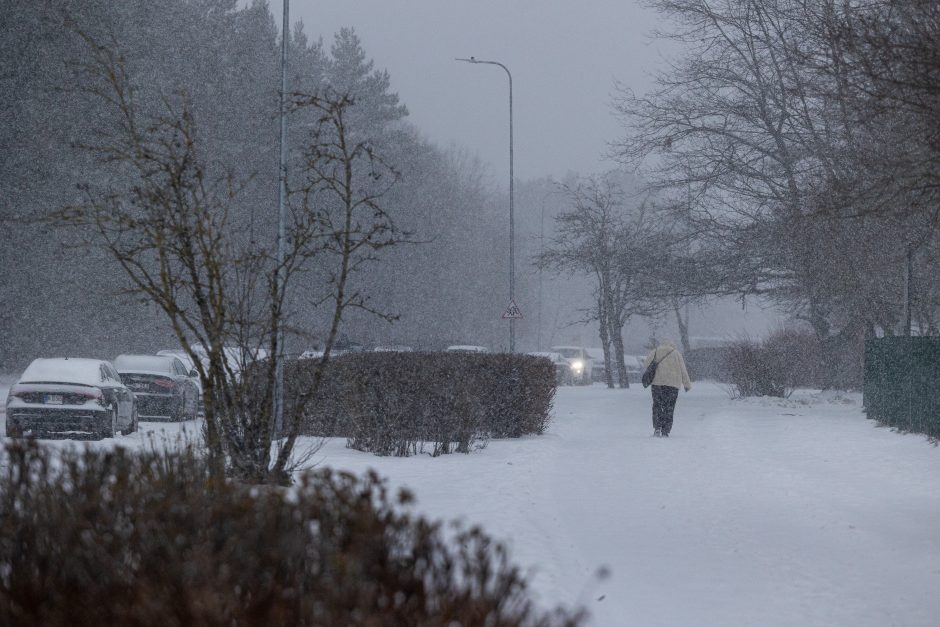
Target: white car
column 579, row 361
column 70, row 398
column 634, row 366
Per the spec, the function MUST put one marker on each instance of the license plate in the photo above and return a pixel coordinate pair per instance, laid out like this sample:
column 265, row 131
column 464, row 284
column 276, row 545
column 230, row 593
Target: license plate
column 54, row 399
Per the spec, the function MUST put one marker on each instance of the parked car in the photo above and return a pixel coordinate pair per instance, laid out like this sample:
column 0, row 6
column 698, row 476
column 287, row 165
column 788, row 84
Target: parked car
column 579, row 361
column 393, row 348
column 633, row 365
column 235, row 357
column 598, row 369
column 562, row 368
column 184, row 357
column 164, row 388
column 70, row 398
column 634, row 368
column 466, row 348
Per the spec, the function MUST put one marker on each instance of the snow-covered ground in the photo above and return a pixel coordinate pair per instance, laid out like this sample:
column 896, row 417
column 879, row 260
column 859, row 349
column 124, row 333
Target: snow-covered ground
column 755, row 512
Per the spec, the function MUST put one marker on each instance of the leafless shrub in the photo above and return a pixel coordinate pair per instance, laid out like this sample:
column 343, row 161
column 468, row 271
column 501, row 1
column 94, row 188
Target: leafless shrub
column 114, row 538
column 786, row 359
column 168, row 219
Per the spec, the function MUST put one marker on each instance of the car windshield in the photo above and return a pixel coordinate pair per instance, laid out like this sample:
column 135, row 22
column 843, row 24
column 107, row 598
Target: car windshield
column 569, row 352
column 144, row 363
column 80, row 371
column 183, row 357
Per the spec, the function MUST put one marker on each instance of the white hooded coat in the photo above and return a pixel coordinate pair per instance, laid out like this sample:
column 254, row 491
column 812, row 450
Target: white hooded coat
column 671, row 369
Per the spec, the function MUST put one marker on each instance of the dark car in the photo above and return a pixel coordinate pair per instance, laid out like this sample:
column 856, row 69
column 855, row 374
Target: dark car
column 70, row 398
column 184, row 357
column 165, row 390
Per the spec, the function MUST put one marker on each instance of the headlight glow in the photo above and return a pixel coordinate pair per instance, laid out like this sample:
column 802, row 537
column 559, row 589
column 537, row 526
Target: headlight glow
column 577, row 364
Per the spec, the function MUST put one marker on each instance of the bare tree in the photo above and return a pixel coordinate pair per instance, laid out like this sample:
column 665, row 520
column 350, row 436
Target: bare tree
column 601, row 237
column 760, row 123
column 346, row 179
column 167, row 219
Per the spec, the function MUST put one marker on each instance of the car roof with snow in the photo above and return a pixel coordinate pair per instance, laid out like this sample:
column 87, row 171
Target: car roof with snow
column 549, row 354
column 182, row 355
column 466, row 348
column 63, row 370
column 145, row 364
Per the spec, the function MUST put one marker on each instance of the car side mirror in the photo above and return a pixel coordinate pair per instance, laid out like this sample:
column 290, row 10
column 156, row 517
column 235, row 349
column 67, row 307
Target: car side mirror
column 194, row 373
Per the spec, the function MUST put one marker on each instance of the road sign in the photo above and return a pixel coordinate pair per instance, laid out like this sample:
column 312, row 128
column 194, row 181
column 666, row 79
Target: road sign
column 512, row 312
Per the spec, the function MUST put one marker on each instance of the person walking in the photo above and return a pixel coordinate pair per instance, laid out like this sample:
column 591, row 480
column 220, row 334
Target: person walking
column 670, row 376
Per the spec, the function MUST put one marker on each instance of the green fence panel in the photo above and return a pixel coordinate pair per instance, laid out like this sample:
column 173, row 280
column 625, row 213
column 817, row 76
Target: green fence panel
column 902, row 383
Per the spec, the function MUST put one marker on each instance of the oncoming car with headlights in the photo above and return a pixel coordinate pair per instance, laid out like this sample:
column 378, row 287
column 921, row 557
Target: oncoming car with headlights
column 579, row 361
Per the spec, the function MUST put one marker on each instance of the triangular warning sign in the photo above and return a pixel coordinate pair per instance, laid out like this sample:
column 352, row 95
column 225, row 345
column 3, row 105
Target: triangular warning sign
column 512, row 312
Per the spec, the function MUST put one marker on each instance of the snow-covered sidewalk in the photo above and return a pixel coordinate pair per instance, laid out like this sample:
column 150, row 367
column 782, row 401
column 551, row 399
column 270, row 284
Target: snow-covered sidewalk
column 754, row 512
column 797, row 512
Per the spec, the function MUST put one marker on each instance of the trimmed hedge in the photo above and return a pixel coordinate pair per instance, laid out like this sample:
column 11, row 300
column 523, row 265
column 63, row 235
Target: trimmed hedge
column 115, row 538
column 398, row 403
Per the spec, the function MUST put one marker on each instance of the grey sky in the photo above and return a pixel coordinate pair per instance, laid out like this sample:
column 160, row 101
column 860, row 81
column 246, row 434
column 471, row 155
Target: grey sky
column 563, row 56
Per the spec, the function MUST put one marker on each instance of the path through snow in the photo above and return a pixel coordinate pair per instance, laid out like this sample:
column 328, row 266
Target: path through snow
column 797, row 512
column 754, row 512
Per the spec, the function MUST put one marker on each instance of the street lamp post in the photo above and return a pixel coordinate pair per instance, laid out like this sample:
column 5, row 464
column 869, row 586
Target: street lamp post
column 541, row 254
column 512, row 225
column 282, row 203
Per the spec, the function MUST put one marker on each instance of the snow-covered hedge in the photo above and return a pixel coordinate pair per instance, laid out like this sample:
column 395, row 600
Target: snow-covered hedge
column 403, row 403
column 116, row 538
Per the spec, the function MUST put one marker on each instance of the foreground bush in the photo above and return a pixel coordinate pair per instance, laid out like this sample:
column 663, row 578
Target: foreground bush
column 397, row 403
column 116, row 538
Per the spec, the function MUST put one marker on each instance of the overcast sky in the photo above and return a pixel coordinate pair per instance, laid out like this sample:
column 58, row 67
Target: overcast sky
column 563, row 55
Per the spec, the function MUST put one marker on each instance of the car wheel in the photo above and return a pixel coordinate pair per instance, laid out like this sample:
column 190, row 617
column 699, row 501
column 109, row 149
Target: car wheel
column 135, row 423
column 110, row 428
column 182, row 416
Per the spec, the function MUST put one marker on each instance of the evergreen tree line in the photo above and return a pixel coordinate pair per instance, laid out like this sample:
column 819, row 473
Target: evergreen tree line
column 62, row 297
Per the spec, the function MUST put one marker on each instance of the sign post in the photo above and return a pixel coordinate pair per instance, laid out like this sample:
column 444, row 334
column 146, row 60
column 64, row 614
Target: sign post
column 512, row 312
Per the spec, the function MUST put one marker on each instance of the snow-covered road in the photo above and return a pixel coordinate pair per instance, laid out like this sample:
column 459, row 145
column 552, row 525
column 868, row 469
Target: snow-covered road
column 754, row 512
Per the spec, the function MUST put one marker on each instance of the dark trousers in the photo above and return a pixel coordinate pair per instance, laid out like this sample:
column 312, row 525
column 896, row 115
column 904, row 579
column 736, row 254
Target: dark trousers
column 664, row 402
